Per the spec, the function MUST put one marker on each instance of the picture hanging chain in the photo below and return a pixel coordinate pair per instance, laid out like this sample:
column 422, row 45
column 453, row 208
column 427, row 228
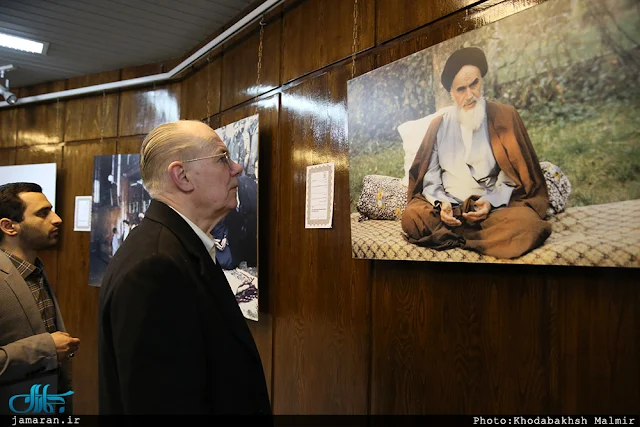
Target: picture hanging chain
column 104, row 112
column 355, row 38
column 58, row 119
column 209, row 90
column 262, row 24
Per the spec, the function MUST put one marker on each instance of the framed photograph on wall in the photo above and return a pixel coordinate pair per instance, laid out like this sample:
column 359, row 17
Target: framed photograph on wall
column 236, row 236
column 511, row 143
column 119, row 204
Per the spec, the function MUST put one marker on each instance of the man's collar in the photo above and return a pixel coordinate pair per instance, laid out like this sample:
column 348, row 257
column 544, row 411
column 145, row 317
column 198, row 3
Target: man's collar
column 207, row 240
column 25, row 268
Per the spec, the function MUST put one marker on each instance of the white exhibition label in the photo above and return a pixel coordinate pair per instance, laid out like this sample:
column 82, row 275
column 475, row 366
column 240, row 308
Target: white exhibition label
column 82, row 218
column 320, row 185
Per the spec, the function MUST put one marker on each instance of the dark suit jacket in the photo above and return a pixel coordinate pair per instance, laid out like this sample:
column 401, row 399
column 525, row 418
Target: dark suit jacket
column 171, row 337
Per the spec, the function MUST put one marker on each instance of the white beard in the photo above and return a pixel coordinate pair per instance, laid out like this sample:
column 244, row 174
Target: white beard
column 473, row 118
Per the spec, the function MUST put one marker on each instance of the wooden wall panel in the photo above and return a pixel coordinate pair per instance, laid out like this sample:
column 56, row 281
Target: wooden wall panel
column 240, row 64
column 598, row 346
column 79, row 301
column 48, row 154
column 453, row 340
column 396, row 17
column 130, row 144
column 214, row 122
column 7, row 156
column 327, row 26
column 8, row 127
column 92, row 117
column 321, row 328
column 41, row 123
column 201, row 92
column 143, row 109
column 142, row 71
column 267, row 221
column 42, row 88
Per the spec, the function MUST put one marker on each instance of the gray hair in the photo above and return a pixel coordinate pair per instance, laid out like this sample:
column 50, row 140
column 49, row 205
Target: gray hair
column 169, row 142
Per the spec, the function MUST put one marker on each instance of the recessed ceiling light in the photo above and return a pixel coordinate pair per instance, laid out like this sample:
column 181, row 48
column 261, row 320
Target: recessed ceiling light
column 20, row 43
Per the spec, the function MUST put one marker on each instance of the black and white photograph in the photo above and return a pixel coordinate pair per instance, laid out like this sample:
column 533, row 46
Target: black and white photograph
column 236, row 236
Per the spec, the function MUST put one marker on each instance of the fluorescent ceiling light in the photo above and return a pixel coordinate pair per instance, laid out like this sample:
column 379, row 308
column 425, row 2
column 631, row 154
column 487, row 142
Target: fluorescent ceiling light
column 20, row 43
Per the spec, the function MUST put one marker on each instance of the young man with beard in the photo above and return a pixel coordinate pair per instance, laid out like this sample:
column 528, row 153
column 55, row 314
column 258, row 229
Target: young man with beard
column 476, row 181
column 34, row 347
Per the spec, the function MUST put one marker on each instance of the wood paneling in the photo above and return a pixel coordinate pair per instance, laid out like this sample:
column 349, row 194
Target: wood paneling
column 92, row 117
column 214, row 122
column 240, row 64
column 48, row 154
column 79, row 301
column 43, row 88
column 328, row 27
column 201, row 92
column 8, row 127
column 142, row 71
column 321, row 328
column 142, row 110
column 41, row 123
column 597, row 324
column 448, row 340
column 7, row 156
column 396, row 17
column 267, row 221
column 130, row 144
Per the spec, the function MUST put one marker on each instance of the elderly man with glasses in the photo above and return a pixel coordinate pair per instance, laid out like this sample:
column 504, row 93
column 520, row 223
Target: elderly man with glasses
column 171, row 337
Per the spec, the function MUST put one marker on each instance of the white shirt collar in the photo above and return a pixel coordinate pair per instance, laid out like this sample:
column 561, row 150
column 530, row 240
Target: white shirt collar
column 208, row 242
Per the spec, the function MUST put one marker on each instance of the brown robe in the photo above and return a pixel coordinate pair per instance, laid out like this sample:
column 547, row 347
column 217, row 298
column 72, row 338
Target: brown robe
column 506, row 232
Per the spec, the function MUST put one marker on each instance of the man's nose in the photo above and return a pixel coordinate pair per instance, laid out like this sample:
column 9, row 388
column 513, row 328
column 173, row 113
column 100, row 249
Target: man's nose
column 56, row 219
column 469, row 94
column 235, row 168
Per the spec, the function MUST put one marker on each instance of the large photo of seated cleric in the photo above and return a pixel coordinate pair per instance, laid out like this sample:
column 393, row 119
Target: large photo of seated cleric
column 236, row 236
column 499, row 149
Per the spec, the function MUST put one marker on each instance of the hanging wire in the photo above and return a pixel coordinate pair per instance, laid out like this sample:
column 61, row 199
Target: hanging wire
column 209, row 90
column 58, row 133
column 355, row 38
column 104, row 113
column 262, row 24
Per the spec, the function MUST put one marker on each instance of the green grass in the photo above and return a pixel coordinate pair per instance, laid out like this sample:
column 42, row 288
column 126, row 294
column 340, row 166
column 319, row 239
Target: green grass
column 600, row 155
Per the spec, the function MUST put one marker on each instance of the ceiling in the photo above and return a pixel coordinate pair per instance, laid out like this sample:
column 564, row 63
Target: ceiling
column 91, row 36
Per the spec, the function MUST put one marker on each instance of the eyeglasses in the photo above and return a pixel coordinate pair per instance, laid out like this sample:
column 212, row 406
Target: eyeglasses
column 225, row 158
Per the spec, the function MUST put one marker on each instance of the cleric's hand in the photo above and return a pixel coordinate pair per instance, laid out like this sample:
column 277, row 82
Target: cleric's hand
column 446, row 214
column 483, row 207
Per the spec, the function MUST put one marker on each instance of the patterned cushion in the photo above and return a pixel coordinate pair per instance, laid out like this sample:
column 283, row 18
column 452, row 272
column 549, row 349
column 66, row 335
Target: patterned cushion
column 558, row 187
column 582, row 236
column 382, row 197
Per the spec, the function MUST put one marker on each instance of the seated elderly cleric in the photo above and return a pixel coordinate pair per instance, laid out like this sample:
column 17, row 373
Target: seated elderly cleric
column 475, row 182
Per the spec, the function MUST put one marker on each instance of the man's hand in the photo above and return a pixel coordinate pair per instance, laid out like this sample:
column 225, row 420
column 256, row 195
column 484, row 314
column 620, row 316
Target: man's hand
column 66, row 345
column 446, row 214
column 221, row 243
column 483, row 208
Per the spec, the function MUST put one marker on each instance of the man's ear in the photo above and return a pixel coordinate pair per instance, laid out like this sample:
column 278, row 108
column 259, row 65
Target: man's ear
column 8, row 227
column 179, row 177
